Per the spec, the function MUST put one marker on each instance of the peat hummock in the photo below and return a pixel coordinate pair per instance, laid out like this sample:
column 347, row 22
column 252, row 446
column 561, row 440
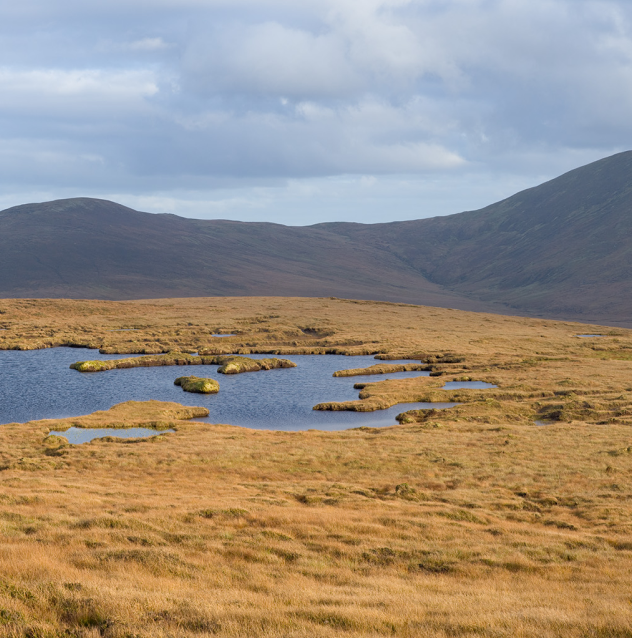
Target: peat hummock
column 384, row 368
column 227, row 364
column 198, row 384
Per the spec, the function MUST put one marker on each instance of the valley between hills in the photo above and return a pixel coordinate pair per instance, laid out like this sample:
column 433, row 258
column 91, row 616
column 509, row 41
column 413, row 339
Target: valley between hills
column 461, row 522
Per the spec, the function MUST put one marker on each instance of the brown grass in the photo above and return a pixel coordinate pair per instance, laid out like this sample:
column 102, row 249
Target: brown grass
column 383, row 368
column 466, row 522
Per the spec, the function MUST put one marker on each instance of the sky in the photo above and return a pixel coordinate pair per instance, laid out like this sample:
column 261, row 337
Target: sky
column 305, row 111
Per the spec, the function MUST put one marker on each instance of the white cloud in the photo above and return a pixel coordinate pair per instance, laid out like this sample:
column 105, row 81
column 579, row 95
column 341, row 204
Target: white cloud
column 272, row 60
column 149, row 44
column 346, row 49
column 141, row 45
column 194, row 94
column 312, row 139
column 68, row 92
column 46, row 161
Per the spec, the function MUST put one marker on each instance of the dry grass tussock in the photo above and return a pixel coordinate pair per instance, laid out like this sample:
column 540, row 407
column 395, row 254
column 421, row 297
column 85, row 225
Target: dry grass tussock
column 468, row 522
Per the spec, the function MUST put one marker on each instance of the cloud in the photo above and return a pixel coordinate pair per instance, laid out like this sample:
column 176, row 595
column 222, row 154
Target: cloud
column 194, row 95
column 67, row 91
column 309, row 139
column 142, row 45
column 149, row 44
column 269, row 59
column 346, row 49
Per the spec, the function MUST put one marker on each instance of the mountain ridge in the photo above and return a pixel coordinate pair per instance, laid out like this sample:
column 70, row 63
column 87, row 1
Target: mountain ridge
column 560, row 250
column 563, row 247
column 97, row 249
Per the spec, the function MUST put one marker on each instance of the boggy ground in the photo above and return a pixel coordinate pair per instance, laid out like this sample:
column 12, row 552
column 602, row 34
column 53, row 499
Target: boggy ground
column 467, row 522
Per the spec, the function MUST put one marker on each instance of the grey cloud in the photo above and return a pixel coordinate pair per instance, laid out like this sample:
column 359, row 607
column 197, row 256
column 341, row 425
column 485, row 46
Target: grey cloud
column 270, row 59
column 193, row 94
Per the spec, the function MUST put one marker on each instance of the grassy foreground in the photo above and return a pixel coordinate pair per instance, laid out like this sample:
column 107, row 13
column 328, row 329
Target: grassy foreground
column 466, row 522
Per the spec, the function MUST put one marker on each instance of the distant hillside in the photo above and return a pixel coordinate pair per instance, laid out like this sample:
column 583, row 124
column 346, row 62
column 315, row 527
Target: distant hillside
column 89, row 248
column 561, row 250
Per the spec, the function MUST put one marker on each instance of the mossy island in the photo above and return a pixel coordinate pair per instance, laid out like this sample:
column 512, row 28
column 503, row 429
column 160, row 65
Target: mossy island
column 198, row 384
column 228, row 364
column 237, row 365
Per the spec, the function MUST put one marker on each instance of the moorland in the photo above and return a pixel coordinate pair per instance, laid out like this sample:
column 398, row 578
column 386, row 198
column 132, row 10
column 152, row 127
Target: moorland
column 472, row 521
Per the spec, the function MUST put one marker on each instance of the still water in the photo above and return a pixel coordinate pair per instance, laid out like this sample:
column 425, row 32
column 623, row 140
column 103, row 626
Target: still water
column 38, row 384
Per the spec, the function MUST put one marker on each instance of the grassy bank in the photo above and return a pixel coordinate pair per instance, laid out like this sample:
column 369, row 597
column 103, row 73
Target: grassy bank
column 462, row 529
column 383, row 369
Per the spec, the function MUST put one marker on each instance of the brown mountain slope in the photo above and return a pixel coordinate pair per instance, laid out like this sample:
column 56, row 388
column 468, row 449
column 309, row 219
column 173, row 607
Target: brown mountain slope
column 562, row 249
column 88, row 248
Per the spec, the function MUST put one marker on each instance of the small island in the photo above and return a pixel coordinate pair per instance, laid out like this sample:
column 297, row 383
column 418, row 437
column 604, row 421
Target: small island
column 228, row 364
column 383, row 368
column 198, row 384
column 237, row 365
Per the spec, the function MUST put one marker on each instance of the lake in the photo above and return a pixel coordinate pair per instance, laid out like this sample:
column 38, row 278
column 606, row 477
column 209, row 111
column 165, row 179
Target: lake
column 38, row 384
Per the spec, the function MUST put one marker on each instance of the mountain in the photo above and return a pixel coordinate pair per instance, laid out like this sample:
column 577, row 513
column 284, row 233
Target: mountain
column 562, row 250
column 90, row 248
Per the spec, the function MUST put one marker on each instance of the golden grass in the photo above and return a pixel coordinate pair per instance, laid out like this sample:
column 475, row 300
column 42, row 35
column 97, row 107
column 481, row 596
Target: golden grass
column 237, row 365
column 468, row 522
column 383, row 368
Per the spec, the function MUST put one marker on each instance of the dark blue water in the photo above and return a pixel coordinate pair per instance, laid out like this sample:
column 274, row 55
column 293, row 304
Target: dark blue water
column 76, row 436
column 38, row 384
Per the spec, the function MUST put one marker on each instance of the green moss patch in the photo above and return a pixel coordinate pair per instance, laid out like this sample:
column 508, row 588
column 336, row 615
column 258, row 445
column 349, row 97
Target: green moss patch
column 197, row 384
column 229, row 364
column 237, row 365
